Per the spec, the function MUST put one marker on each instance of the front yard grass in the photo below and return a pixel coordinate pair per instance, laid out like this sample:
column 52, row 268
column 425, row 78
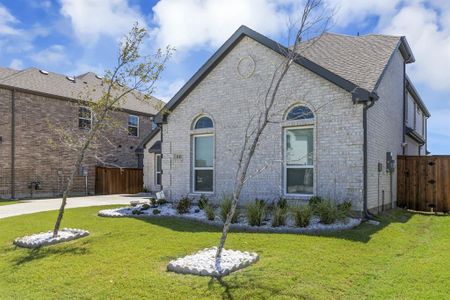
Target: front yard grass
column 7, row 202
column 406, row 257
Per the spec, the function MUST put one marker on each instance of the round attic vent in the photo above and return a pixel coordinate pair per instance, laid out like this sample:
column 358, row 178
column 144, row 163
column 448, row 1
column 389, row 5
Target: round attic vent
column 43, row 72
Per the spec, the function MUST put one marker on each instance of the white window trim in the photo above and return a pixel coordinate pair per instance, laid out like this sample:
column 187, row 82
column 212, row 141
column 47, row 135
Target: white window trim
column 156, row 169
column 285, row 167
column 91, row 119
column 194, row 168
column 137, row 127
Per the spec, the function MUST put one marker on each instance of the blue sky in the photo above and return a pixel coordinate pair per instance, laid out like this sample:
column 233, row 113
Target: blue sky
column 75, row 36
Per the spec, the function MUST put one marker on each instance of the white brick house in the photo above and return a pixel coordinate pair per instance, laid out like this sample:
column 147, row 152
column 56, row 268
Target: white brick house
column 356, row 106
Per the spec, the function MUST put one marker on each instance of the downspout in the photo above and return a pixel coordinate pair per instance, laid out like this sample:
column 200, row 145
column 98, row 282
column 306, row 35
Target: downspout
column 162, row 171
column 366, row 213
column 13, row 143
column 405, row 104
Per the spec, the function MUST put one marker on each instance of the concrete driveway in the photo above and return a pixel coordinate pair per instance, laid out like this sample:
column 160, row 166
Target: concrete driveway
column 38, row 205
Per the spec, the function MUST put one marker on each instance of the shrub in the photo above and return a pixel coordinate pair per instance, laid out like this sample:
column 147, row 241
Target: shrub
column 345, row 209
column 279, row 216
column 145, row 189
column 282, row 203
column 184, row 205
column 210, row 213
column 161, row 201
column 156, row 211
column 314, row 201
column 302, row 215
column 203, row 201
column 256, row 212
column 152, row 202
column 225, row 207
column 136, row 212
column 328, row 212
column 145, row 206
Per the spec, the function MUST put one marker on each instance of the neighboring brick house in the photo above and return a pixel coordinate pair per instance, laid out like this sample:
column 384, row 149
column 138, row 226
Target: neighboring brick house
column 341, row 110
column 32, row 103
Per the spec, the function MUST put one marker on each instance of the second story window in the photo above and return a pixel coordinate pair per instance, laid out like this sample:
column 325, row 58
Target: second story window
column 84, row 117
column 133, row 125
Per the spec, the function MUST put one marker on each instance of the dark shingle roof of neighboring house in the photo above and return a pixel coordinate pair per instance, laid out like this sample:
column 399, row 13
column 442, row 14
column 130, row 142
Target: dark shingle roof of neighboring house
column 33, row 80
column 356, row 64
column 147, row 139
column 359, row 59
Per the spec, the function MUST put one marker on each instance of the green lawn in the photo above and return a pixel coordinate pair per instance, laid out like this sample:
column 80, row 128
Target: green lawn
column 407, row 257
column 7, row 202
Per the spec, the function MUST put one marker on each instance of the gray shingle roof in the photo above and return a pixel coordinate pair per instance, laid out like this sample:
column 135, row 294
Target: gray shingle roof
column 359, row 59
column 85, row 84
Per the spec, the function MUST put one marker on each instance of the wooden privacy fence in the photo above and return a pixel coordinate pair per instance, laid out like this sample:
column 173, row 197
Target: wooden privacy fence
column 118, row 181
column 423, row 183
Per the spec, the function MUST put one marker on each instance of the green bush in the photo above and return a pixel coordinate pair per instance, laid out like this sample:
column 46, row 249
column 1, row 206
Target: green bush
column 256, row 212
column 314, row 201
column 328, row 212
column 203, row 201
column 136, row 212
column 302, row 215
column 145, row 206
column 210, row 213
column 279, row 216
column 282, row 203
column 225, row 207
column 161, row 201
column 184, row 205
column 152, row 202
column 345, row 209
column 156, row 211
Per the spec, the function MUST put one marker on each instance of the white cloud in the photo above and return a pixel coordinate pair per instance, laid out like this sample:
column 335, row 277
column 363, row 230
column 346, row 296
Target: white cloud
column 429, row 36
column 188, row 24
column 166, row 90
column 16, row 64
column 91, row 19
column 53, row 55
column 7, row 22
column 355, row 12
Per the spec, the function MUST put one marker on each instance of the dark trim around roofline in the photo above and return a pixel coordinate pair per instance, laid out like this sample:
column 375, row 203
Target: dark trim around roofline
column 358, row 94
column 147, row 138
column 410, row 87
column 415, row 135
column 48, row 95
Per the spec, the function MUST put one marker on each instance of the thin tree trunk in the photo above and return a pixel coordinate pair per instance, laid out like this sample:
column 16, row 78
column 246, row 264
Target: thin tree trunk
column 74, row 172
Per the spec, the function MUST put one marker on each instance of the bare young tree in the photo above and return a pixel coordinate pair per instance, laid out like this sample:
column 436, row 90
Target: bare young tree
column 132, row 73
column 313, row 15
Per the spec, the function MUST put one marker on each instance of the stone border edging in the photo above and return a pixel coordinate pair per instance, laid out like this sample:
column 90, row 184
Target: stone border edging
column 76, row 234
column 247, row 228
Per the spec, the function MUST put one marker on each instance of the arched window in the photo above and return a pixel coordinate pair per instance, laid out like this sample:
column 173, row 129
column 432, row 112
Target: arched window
column 300, row 113
column 203, row 122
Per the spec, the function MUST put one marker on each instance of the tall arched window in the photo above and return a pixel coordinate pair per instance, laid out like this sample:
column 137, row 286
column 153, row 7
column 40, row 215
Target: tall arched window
column 203, row 157
column 203, row 122
column 300, row 113
column 299, row 153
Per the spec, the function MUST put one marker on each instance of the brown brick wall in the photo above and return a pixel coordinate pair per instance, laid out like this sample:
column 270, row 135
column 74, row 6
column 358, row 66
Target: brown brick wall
column 39, row 159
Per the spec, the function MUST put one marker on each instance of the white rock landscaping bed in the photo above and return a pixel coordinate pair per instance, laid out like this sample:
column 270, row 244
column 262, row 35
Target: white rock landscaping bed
column 203, row 263
column 167, row 210
column 46, row 238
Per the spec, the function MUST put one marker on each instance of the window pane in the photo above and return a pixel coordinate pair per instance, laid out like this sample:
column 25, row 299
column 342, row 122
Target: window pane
column 133, row 121
column 300, row 113
column 84, row 112
column 84, row 124
column 158, row 163
column 158, row 178
column 203, row 151
column 299, row 181
column 133, row 131
column 299, row 146
column 203, row 180
column 204, row 122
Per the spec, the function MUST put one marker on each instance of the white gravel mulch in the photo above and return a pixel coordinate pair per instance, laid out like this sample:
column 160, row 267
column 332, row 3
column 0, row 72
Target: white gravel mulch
column 204, row 263
column 196, row 214
column 46, row 238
